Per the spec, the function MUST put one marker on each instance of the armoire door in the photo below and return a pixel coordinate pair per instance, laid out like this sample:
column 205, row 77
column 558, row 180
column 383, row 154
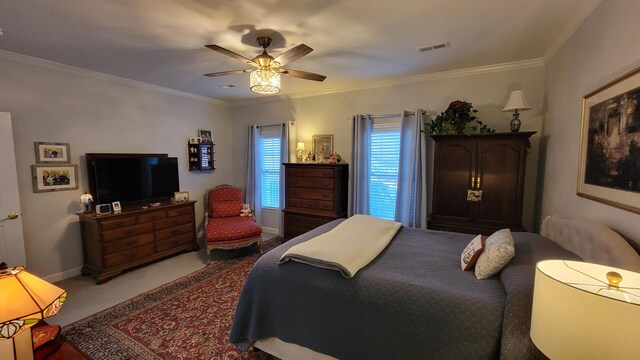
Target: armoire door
column 455, row 168
column 500, row 170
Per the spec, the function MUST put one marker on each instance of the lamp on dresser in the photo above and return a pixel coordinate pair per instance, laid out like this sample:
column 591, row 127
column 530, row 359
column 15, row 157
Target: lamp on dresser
column 24, row 300
column 299, row 151
column 516, row 102
column 585, row 311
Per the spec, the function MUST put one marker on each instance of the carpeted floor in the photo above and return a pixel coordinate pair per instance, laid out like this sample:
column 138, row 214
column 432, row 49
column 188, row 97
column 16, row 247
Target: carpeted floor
column 189, row 318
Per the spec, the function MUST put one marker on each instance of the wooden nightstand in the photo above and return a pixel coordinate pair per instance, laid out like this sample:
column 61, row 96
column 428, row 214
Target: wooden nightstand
column 66, row 350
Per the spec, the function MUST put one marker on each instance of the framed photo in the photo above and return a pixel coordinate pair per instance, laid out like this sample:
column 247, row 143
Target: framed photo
column 206, row 136
column 116, row 206
column 322, row 144
column 54, row 177
column 52, row 153
column 192, row 140
column 181, row 196
column 609, row 166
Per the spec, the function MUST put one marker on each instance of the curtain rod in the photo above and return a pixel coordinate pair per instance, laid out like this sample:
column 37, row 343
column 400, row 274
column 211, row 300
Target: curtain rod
column 259, row 126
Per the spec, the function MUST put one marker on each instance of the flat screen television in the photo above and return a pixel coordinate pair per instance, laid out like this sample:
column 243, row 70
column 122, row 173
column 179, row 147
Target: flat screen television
column 132, row 178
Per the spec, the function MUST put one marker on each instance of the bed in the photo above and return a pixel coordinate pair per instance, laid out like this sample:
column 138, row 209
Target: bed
column 412, row 301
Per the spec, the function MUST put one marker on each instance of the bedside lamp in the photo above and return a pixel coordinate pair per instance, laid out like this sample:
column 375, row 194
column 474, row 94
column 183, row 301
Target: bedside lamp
column 299, row 151
column 585, row 311
column 86, row 199
column 24, row 300
column 516, row 102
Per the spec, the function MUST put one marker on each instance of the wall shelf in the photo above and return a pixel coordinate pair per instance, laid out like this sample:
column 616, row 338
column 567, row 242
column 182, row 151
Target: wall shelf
column 201, row 157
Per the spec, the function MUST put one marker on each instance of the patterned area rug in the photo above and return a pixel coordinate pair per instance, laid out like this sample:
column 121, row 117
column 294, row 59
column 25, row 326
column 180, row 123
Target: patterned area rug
column 189, row 318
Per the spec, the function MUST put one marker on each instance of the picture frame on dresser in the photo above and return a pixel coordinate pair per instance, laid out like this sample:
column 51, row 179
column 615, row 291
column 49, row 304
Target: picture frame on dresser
column 322, row 143
column 609, row 146
column 47, row 177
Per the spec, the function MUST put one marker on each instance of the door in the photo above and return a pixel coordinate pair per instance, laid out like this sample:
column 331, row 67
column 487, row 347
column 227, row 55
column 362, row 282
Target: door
column 500, row 169
column 455, row 163
column 11, row 240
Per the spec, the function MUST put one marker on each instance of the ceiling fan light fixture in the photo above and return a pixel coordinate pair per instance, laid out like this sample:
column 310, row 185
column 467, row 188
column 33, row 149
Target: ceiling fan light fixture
column 264, row 81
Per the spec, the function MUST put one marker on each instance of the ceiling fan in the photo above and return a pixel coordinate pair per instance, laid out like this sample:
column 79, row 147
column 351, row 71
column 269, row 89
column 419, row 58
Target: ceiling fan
column 265, row 78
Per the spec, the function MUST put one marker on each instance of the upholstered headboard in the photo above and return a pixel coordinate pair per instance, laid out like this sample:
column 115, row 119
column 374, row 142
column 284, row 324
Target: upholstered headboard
column 592, row 241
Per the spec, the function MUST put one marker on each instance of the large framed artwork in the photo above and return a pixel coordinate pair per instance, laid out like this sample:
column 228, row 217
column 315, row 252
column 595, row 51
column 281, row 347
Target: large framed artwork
column 54, row 177
column 609, row 170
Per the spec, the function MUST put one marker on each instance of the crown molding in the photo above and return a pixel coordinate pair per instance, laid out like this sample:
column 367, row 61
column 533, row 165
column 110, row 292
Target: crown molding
column 106, row 77
column 480, row 70
column 581, row 14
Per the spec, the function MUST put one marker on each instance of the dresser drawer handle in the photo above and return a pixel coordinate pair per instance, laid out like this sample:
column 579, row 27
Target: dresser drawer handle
column 325, row 183
column 131, row 256
column 129, row 232
column 129, row 243
column 326, row 196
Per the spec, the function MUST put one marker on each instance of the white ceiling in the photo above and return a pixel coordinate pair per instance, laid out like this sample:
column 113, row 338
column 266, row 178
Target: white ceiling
column 356, row 43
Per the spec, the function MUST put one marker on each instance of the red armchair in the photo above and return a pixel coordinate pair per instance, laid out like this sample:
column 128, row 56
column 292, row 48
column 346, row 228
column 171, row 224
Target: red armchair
column 224, row 227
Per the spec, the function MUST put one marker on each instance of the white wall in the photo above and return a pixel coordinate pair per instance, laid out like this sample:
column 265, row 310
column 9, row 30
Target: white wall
column 604, row 48
column 60, row 104
column 331, row 114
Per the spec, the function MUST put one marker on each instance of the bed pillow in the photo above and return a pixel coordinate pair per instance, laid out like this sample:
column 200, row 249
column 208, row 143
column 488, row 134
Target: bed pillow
column 471, row 253
column 498, row 251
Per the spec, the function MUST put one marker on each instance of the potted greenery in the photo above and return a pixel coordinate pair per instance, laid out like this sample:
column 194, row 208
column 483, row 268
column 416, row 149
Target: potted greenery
column 459, row 118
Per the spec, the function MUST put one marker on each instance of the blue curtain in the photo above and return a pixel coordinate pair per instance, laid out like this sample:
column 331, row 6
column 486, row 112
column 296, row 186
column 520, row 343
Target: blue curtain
column 251, row 186
column 411, row 202
column 362, row 126
column 284, row 158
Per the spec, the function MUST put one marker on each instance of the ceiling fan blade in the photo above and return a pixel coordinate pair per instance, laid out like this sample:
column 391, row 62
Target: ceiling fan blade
column 230, row 53
column 293, row 54
column 230, row 72
column 303, row 75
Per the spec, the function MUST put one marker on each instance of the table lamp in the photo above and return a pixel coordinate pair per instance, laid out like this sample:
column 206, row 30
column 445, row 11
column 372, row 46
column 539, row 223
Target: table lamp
column 299, row 151
column 516, row 102
column 24, row 300
column 585, row 311
column 86, row 199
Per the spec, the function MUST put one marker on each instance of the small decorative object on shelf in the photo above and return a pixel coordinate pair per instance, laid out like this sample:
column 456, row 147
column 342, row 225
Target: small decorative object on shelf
column 458, row 118
column 201, row 156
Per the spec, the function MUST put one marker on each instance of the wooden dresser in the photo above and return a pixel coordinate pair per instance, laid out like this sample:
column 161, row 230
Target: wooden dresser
column 315, row 194
column 116, row 242
column 493, row 164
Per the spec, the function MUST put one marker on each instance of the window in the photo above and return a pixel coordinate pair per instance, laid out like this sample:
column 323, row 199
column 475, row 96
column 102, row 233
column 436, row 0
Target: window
column 270, row 167
column 383, row 168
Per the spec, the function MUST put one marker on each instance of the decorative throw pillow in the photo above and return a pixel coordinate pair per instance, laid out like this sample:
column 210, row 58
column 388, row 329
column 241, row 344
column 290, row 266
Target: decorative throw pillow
column 471, row 253
column 498, row 251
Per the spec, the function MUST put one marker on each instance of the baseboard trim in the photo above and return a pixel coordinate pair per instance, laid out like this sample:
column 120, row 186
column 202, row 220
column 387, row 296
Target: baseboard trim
column 64, row 275
column 271, row 230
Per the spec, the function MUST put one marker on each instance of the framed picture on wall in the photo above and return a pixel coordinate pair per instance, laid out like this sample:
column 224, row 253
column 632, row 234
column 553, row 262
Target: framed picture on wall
column 50, row 152
column 609, row 169
column 54, row 177
column 206, row 137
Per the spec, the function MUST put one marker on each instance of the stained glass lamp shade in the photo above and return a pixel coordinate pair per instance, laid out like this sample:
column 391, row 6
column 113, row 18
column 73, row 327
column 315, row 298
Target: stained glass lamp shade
column 24, row 300
column 585, row 311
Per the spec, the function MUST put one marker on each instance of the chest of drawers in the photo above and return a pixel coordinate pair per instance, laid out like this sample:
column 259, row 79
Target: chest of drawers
column 315, row 194
column 113, row 243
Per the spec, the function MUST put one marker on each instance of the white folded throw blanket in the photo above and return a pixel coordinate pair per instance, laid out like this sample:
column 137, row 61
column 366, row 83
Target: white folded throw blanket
column 348, row 247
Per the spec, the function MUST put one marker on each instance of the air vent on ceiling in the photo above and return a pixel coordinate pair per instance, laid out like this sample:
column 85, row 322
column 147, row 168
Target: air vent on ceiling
column 435, row 47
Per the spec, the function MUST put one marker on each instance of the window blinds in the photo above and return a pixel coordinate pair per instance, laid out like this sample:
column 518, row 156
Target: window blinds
column 383, row 167
column 270, row 168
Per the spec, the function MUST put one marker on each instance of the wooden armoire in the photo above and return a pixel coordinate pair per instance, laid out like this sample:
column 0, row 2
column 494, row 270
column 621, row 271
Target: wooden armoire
column 478, row 182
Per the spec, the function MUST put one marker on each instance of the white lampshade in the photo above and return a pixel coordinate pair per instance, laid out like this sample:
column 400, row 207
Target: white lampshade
column 264, row 81
column 300, row 146
column 517, row 102
column 580, row 313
